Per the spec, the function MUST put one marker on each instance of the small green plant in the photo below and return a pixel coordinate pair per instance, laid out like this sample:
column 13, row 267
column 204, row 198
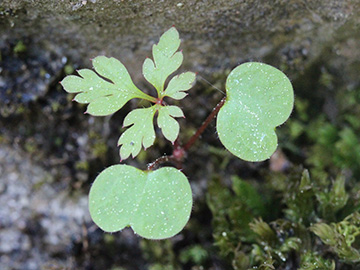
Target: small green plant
column 157, row 203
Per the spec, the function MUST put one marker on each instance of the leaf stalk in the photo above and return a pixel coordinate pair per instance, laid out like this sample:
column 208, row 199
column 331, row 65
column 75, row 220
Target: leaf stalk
column 179, row 152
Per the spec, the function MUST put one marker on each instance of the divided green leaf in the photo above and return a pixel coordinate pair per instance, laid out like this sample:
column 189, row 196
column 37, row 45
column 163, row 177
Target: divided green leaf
column 166, row 60
column 169, row 126
column 259, row 98
column 140, row 133
column 179, row 84
column 105, row 96
column 109, row 88
column 156, row 204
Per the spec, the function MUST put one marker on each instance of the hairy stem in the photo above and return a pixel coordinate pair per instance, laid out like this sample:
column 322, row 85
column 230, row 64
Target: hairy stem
column 159, row 161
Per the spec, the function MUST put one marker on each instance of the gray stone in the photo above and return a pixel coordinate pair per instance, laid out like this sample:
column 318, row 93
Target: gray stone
column 32, row 205
column 216, row 34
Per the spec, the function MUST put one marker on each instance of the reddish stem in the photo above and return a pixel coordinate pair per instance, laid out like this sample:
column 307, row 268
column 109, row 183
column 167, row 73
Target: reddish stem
column 204, row 125
column 179, row 152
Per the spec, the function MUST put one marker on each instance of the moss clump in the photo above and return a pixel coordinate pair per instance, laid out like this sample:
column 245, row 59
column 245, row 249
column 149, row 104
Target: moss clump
column 159, row 254
column 341, row 237
column 286, row 239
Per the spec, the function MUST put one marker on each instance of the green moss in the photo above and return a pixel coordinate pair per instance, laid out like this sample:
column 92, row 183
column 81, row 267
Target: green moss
column 3, row 139
column 341, row 236
column 159, row 254
column 221, row 155
column 195, row 254
column 19, row 47
column 109, row 239
column 69, row 69
column 30, row 146
column 99, row 146
column 142, row 156
column 312, row 261
column 330, row 145
column 82, row 165
column 100, row 149
column 247, row 237
column 20, row 109
column 55, row 106
column 232, row 211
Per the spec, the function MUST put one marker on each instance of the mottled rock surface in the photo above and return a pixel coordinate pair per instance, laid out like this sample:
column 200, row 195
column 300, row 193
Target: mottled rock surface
column 32, row 204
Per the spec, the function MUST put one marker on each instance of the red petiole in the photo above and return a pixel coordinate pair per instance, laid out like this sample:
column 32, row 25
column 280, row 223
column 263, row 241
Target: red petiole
column 179, row 151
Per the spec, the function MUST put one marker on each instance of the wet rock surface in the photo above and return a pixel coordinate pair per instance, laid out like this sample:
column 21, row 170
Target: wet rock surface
column 50, row 153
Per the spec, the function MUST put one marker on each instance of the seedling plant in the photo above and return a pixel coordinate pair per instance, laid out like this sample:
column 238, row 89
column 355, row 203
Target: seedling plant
column 156, row 203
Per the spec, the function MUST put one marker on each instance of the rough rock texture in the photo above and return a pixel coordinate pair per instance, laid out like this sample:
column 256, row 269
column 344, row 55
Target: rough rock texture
column 216, row 34
column 32, row 205
column 42, row 192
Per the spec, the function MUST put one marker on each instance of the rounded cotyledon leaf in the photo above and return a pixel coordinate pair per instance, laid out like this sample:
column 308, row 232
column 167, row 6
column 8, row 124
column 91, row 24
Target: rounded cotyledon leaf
column 156, row 204
column 259, row 98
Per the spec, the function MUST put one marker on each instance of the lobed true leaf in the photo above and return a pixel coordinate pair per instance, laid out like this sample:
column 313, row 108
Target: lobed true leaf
column 105, row 96
column 169, row 126
column 179, row 84
column 141, row 132
column 166, row 60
